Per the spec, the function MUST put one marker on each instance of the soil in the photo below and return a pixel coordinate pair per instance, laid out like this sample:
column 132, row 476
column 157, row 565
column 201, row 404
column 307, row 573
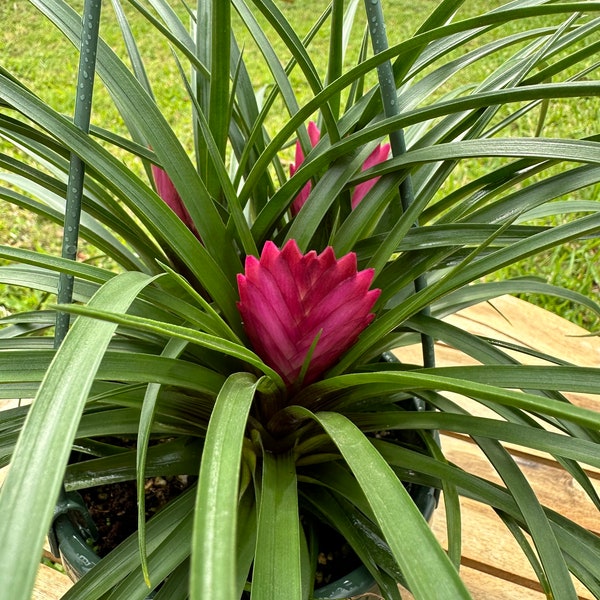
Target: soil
column 113, row 507
column 335, row 559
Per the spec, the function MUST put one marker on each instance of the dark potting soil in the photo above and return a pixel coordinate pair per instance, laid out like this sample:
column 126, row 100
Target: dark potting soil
column 335, row 559
column 113, row 507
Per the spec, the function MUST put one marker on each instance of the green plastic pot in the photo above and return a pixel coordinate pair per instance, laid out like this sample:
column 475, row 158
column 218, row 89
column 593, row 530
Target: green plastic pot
column 73, row 529
column 359, row 581
column 70, row 535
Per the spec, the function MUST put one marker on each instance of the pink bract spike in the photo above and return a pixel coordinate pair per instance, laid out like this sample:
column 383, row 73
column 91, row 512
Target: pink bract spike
column 287, row 299
column 379, row 154
column 314, row 135
column 166, row 190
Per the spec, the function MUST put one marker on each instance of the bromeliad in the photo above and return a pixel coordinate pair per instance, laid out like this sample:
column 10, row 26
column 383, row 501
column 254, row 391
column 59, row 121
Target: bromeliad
column 300, row 312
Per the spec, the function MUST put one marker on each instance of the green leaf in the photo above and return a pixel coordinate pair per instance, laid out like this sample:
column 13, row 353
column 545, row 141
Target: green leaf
column 336, row 54
column 181, row 455
column 149, row 208
column 572, row 150
column 452, row 506
column 548, row 549
column 138, row 368
column 185, row 333
column 486, row 291
column 218, row 173
column 277, row 570
column 218, row 118
column 360, row 533
column 136, row 106
column 34, row 478
column 574, row 539
column 526, row 436
column 173, row 349
column 538, row 377
column 424, row 564
column 466, row 274
column 413, row 381
column 132, row 48
column 125, row 559
column 176, row 586
column 173, row 550
column 213, row 565
column 97, row 234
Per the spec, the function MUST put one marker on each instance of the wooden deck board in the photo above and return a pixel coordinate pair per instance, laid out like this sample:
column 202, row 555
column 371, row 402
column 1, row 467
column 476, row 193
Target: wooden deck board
column 492, row 565
column 487, row 544
column 484, row 585
column 50, row 584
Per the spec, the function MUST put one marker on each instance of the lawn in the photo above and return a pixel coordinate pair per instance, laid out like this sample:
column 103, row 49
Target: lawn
column 39, row 56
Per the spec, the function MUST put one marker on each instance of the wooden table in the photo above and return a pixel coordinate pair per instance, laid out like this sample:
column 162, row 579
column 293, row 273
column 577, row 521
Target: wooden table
column 493, row 567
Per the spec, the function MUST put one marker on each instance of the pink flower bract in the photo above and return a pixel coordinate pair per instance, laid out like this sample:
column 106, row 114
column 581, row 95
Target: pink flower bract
column 166, row 190
column 314, row 134
column 287, row 299
column 379, row 154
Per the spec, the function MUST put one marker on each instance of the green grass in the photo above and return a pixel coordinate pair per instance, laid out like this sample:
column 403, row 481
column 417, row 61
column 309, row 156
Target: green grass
column 35, row 52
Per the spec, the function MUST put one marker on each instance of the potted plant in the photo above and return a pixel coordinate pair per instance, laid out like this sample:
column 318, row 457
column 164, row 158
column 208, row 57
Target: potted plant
column 259, row 263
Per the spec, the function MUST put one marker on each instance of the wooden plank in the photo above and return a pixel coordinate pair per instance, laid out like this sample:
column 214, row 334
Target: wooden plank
column 554, row 487
column 6, row 404
column 50, row 584
column 512, row 320
column 490, row 586
column 487, row 545
column 493, row 565
column 499, row 586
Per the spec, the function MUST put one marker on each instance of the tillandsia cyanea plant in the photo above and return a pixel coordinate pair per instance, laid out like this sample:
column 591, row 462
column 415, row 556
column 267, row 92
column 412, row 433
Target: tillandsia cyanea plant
column 237, row 315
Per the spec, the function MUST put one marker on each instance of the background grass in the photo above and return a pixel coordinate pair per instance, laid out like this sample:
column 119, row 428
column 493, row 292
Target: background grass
column 36, row 53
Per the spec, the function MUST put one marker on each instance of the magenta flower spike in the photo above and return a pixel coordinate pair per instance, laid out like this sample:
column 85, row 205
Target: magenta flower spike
column 166, row 190
column 289, row 299
column 314, row 134
column 379, row 154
